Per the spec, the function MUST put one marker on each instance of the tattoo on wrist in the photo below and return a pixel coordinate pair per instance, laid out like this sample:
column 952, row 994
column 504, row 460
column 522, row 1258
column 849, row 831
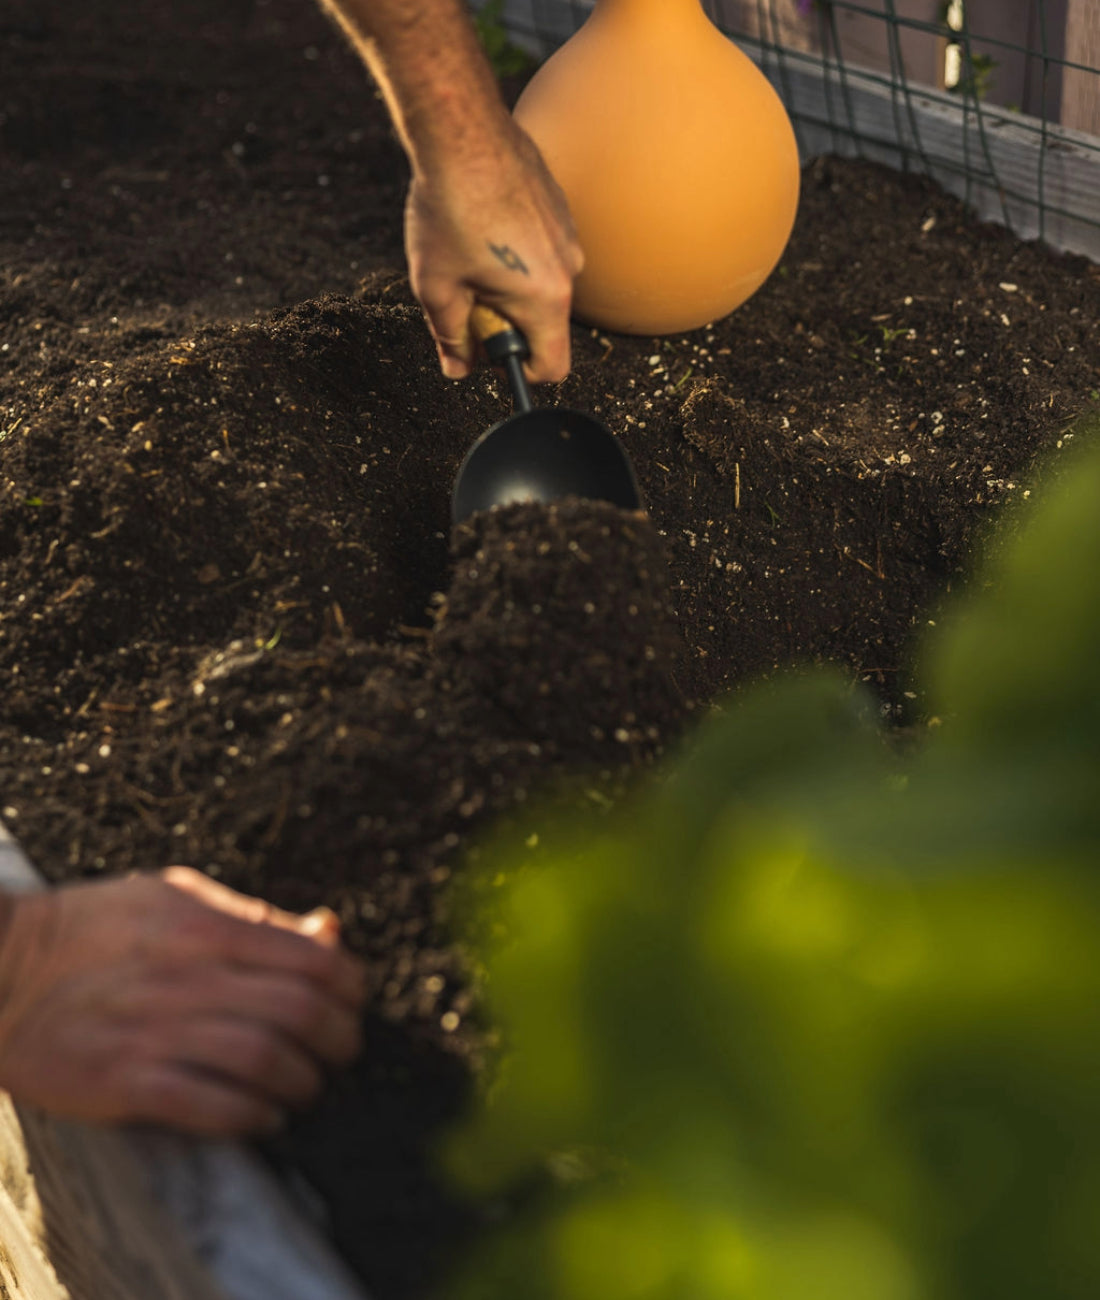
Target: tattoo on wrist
column 509, row 258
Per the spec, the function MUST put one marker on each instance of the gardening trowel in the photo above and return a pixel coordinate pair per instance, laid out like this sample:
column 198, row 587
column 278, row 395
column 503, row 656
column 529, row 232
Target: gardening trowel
column 537, row 455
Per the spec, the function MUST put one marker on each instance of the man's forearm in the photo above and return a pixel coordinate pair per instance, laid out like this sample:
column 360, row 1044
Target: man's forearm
column 484, row 219
column 429, row 65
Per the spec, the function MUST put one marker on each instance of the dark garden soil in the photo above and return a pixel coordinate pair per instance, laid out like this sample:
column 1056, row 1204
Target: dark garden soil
column 234, row 628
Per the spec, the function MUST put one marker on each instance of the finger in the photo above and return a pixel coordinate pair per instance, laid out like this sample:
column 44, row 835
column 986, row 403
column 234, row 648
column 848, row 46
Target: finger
column 250, row 1053
column 229, row 901
column 252, row 932
column 334, row 970
column 161, row 1092
column 326, row 1028
column 547, row 331
column 321, row 924
column 543, row 318
column 448, row 317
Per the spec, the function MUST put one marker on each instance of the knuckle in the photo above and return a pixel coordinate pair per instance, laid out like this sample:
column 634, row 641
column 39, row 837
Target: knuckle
column 560, row 298
column 435, row 296
column 254, row 911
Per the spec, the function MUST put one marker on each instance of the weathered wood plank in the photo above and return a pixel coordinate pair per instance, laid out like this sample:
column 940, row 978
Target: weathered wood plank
column 77, row 1222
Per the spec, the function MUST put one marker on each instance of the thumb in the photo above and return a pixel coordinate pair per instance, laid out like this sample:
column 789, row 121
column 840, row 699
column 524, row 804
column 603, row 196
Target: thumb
column 321, row 925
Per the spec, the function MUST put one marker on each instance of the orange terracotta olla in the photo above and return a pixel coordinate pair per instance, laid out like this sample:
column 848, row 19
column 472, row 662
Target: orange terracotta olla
column 678, row 161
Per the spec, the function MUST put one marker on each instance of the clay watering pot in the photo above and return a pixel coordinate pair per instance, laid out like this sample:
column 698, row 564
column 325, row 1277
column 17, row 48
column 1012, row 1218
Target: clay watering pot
column 538, row 454
column 678, row 161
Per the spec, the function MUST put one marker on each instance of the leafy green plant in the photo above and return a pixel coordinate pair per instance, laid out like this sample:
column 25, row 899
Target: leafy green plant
column 505, row 57
column 821, row 1019
column 976, row 77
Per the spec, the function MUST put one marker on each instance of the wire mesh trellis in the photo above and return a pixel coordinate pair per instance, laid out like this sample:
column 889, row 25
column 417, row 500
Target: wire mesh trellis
column 998, row 100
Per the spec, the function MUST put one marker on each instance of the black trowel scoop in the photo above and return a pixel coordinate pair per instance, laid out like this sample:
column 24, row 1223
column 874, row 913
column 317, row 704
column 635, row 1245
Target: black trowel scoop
column 537, row 455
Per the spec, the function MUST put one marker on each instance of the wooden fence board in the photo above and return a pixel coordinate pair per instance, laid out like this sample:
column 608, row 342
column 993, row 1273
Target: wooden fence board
column 1081, row 89
column 1000, row 168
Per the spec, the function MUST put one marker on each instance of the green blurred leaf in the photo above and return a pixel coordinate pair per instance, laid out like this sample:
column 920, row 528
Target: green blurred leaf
column 822, row 1019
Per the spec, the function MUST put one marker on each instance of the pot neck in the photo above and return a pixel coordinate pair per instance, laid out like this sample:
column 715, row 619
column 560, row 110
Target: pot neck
column 674, row 11
column 658, row 8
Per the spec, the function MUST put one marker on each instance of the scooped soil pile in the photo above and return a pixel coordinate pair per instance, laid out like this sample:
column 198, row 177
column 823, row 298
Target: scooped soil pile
column 235, row 629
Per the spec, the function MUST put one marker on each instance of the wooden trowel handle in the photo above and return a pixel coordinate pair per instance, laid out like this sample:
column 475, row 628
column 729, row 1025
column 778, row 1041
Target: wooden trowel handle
column 485, row 322
column 505, row 346
column 500, row 337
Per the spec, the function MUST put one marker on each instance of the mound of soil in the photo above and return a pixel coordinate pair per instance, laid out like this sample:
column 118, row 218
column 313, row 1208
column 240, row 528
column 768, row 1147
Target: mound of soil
column 235, row 628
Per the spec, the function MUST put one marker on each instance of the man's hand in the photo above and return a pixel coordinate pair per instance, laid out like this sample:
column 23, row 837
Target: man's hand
column 485, row 221
column 171, row 999
column 497, row 231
